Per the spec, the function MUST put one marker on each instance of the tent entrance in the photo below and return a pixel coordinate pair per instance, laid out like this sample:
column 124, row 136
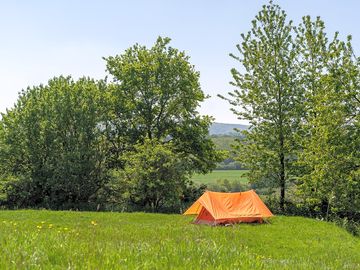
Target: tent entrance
column 205, row 217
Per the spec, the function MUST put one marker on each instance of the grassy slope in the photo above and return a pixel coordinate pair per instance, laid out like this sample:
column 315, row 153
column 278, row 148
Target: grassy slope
column 154, row 241
column 212, row 177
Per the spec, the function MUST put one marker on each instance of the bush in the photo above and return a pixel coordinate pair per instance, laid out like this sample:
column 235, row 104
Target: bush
column 351, row 226
column 224, row 185
column 292, row 208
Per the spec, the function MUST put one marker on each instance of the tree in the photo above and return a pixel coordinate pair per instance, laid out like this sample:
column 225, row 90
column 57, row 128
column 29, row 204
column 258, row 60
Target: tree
column 330, row 142
column 61, row 142
column 153, row 176
column 267, row 96
column 53, row 150
column 154, row 98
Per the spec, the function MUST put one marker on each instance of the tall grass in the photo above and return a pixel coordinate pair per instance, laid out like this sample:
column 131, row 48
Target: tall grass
column 84, row 240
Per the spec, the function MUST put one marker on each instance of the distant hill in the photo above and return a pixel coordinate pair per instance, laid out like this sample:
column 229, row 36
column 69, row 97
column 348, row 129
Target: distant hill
column 226, row 129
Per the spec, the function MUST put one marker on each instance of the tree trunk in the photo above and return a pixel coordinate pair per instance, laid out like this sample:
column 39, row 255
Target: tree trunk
column 282, row 181
column 281, row 158
column 282, row 163
column 281, row 138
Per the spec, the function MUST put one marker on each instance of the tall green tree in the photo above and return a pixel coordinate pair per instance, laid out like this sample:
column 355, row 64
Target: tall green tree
column 155, row 94
column 154, row 99
column 330, row 143
column 53, row 151
column 266, row 94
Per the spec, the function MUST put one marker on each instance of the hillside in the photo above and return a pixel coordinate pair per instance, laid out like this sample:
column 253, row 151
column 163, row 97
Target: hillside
column 84, row 240
column 223, row 142
column 226, row 129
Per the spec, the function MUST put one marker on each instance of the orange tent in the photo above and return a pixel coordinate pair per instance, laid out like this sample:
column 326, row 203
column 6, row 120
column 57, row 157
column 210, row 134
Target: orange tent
column 221, row 208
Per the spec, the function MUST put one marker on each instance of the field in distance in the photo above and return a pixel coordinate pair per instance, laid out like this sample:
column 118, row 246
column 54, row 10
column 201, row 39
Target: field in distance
column 231, row 175
column 82, row 240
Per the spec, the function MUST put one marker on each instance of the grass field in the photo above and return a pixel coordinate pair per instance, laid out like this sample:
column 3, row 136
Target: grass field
column 212, row 177
column 83, row 240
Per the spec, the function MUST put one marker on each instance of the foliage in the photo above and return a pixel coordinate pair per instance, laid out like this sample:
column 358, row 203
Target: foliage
column 192, row 192
column 153, row 175
column 229, row 164
column 62, row 143
column 329, row 179
column 52, row 149
column 157, row 136
column 300, row 93
column 155, row 95
column 162, row 184
column 224, row 185
column 225, row 143
column 266, row 94
column 58, row 240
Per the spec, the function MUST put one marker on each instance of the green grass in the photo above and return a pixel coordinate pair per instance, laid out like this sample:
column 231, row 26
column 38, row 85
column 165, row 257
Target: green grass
column 231, row 175
column 83, row 240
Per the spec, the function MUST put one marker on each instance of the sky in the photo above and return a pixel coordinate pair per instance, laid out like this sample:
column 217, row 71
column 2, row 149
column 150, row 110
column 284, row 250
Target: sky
column 43, row 39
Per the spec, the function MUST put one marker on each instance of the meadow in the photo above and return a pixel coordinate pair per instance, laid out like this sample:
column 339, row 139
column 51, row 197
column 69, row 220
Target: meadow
column 31, row 239
column 214, row 176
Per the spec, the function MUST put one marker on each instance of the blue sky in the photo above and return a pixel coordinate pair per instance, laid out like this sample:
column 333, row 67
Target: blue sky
column 43, row 39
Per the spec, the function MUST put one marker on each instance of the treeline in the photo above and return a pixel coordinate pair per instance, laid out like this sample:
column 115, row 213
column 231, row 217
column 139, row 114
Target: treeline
column 226, row 143
column 300, row 91
column 131, row 142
